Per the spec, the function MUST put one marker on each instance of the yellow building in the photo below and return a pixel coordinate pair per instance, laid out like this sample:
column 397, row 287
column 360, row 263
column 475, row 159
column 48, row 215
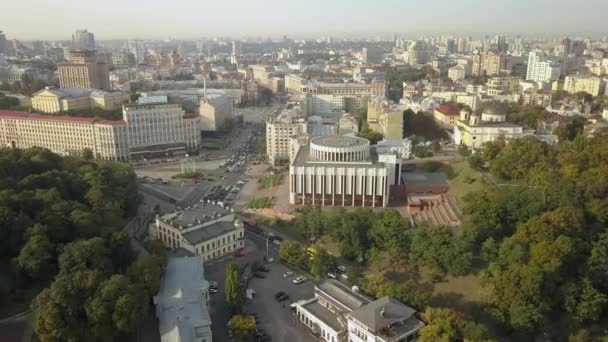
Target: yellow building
column 391, row 124
column 54, row 100
column 576, row 84
column 446, row 114
column 474, row 130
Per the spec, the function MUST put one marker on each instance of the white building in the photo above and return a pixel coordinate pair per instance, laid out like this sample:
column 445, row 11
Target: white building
column 473, row 130
column 337, row 313
column 457, row 73
column 83, row 40
column 540, row 69
column 280, row 130
column 182, row 303
column 401, row 148
column 590, row 85
column 342, row 171
column 334, row 104
column 205, row 229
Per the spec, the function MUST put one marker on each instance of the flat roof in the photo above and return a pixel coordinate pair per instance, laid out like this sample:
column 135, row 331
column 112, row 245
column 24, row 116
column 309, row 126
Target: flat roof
column 15, row 114
column 424, row 178
column 197, row 214
column 211, row 231
column 180, row 307
column 303, row 159
column 339, row 141
column 324, row 314
column 342, row 294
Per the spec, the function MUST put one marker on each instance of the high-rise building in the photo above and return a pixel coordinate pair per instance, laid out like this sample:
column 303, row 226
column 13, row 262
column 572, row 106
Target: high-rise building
column 490, row 63
column 541, row 69
column 83, row 40
column 83, row 70
column 501, row 44
column 462, row 45
column 418, row 53
column 372, row 55
column 236, row 48
column 576, row 84
column 3, row 43
column 451, row 46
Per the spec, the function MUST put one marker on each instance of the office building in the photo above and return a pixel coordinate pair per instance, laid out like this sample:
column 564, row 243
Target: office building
column 490, row 63
column 501, row 44
column 295, row 84
column 3, row 43
column 450, row 46
column 12, row 73
column 83, row 70
column 182, row 302
column 56, row 100
column 146, row 130
column 342, row 171
column 83, row 40
column 418, row 53
column 540, row 69
column 337, row 313
column 208, row 230
column 474, row 130
column 376, row 87
column 391, row 124
column 590, row 85
column 214, row 111
column 334, row 104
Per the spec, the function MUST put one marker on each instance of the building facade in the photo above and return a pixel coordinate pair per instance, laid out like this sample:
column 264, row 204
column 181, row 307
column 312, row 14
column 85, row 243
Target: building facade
column 490, row 63
column 83, row 40
column 541, row 69
column 55, row 100
column 446, row 114
column 341, row 171
column 205, row 229
column 590, row 85
column 83, row 70
column 474, row 131
column 214, row 111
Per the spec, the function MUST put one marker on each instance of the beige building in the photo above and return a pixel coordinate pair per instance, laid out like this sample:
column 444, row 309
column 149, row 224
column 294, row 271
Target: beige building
column 279, row 132
column 456, row 73
column 295, row 84
column 446, row 115
column 474, row 130
column 83, row 70
column 64, row 135
column 145, row 131
column 205, row 229
column 376, row 106
column 590, row 85
column 55, row 100
column 374, row 88
column 214, row 110
column 391, row 124
column 490, row 63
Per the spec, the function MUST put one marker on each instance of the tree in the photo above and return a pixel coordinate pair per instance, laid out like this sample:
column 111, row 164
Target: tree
column 242, row 327
column 148, row 271
column 389, row 232
column 85, row 254
column 370, row 135
column 437, row 248
column 234, row 296
column 443, row 324
column 36, row 256
column 87, row 154
column 294, row 254
column 321, row 262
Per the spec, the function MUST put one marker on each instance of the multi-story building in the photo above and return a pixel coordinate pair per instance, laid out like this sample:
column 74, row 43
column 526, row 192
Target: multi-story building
column 328, row 104
column 374, row 88
column 457, row 73
column 342, row 171
column 372, row 55
column 376, row 106
column 391, row 124
column 418, row 53
column 10, row 74
column 55, row 100
column 182, row 302
column 83, row 70
column 64, row 135
column 337, row 313
column 83, row 40
column 214, row 111
column 279, row 131
column 294, row 84
column 205, row 229
column 591, row 85
column 502, row 85
column 3, row 43
column 491, row 63
column 145, row 131
column 160, row 128
column 473, row 130
column 537, row 97
column 446, row 114
column 540, row 69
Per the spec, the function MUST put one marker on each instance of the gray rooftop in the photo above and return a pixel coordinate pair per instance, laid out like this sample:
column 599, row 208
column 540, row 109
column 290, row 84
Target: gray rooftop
column 382, row 313
column 324, row 314
column 425, row 178
column 338, row 292
column 211, row 231
column 303, row 158
column 180, row 307
column 197, row 214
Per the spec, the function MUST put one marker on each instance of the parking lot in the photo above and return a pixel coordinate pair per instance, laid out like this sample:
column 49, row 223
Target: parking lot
column 274, row 317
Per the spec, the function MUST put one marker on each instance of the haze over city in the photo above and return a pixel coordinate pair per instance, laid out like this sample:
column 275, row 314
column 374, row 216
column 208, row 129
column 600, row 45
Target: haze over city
column 158, row 19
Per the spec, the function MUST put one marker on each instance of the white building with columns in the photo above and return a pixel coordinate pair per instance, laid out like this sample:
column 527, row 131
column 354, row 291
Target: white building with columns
column 342, row 171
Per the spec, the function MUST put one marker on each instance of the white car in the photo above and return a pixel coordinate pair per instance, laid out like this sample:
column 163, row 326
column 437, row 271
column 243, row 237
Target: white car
column 342, row 268
column 276, row 242
column 212, row 283
column 212, row 290
column 344, row 276
column 331, row 275
column 299, row 280
column 287, row 274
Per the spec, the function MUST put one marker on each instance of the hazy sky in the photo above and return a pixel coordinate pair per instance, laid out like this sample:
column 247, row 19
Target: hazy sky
column 113, row 19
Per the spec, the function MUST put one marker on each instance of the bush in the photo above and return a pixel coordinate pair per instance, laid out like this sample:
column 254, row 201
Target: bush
column 260, row 203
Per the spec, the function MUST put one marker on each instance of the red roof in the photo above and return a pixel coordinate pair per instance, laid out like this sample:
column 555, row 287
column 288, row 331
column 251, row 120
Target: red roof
column 34, row 116
column 190, row 115
column 448, row 109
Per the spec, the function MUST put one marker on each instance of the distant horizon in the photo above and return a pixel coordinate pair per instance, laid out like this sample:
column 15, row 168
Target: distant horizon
column 188, row 19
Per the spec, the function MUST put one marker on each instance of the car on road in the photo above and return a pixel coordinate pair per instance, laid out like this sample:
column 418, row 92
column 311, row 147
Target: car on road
column 342, row 268
column 213, row 290
column 287, row 274
column 239, row 253
column 299, row 280
column 281, row 296
column 264, row 268
column 331, row 275
column 259, row 275
column 276, row 242
column 212, row 283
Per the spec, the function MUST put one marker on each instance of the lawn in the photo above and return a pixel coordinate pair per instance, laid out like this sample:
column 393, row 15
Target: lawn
column 468, row 288
column 270, row 181
column 463, row 179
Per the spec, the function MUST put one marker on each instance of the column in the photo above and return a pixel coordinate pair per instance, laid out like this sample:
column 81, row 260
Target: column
column 374, row 191
column 353, row 188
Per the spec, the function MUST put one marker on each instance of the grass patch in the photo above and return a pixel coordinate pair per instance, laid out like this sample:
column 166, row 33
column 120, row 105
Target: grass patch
column 260, row 203
column 270, row 181
column 463, row 179
column 194, row 175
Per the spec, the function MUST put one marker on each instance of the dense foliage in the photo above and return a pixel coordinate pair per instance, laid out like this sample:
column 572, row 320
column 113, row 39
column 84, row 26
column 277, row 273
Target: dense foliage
column 8, row 102
column 61, row 224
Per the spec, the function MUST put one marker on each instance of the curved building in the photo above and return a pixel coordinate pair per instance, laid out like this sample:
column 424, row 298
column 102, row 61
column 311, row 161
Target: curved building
column 341, row 171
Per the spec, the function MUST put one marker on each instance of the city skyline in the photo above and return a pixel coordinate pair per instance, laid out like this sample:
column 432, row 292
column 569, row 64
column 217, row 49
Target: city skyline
column 187, row 19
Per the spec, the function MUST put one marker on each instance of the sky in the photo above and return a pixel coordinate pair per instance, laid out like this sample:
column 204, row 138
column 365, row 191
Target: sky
column 185, row 19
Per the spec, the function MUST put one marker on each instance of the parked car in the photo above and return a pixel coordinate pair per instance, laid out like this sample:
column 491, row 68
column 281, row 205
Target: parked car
column 344, row 276
column 331, row 275
column 299, row 280
column 279, row 294
column 342, row 268
column 287, row 274
column 239, row 253
column 212, row 283
column 213, row 290
column 276, row 242
column 259, row 275
column 264, row 268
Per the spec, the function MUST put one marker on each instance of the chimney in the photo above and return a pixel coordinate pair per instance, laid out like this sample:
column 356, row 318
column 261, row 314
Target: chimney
column 382, row 312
